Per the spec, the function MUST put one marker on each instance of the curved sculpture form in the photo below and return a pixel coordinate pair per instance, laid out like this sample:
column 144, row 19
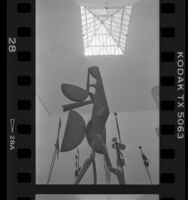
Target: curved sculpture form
column 74, row 93
column 75, row 131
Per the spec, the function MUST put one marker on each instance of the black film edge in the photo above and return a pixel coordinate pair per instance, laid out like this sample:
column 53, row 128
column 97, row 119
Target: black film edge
column 21, row 77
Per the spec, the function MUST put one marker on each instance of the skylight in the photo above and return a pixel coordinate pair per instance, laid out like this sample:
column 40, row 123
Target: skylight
column 105, row 29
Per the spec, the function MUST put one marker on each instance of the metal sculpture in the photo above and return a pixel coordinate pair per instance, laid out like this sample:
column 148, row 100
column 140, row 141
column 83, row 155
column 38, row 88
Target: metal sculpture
column 119, row 147
column 95, row 130
column 56, row 152
column 107, row 172
column 77, row 163
column 146, row 162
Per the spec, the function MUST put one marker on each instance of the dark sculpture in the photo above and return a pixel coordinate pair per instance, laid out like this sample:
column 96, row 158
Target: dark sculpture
column 119, row 147
column 77, row 163
column 146, row 162
column 95, row 130
column 107, row 172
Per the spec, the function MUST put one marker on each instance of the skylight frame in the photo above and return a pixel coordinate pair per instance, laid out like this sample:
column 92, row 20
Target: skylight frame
column 105, row 34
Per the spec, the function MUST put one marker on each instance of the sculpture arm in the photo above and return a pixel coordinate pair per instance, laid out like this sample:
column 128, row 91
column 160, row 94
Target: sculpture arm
column 88, row 79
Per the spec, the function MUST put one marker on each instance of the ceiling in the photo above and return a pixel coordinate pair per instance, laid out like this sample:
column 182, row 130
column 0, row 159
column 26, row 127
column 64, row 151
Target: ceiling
column 128, row 79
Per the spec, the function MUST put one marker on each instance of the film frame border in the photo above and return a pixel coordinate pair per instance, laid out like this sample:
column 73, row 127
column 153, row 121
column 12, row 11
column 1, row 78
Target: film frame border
column 21, row 108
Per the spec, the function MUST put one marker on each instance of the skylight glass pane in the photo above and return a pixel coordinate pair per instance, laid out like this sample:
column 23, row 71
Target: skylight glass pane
column 105, row 29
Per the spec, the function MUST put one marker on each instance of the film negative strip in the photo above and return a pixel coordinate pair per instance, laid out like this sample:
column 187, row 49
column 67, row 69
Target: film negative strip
column 131, row 57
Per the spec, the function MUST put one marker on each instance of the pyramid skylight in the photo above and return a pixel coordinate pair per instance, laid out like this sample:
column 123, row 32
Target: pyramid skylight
column 105, row 29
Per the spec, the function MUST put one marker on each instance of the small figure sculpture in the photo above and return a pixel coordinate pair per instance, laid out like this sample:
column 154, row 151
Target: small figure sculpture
column 146, row 162
column 95, row 131
column 78, row 168
column 119, row 147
